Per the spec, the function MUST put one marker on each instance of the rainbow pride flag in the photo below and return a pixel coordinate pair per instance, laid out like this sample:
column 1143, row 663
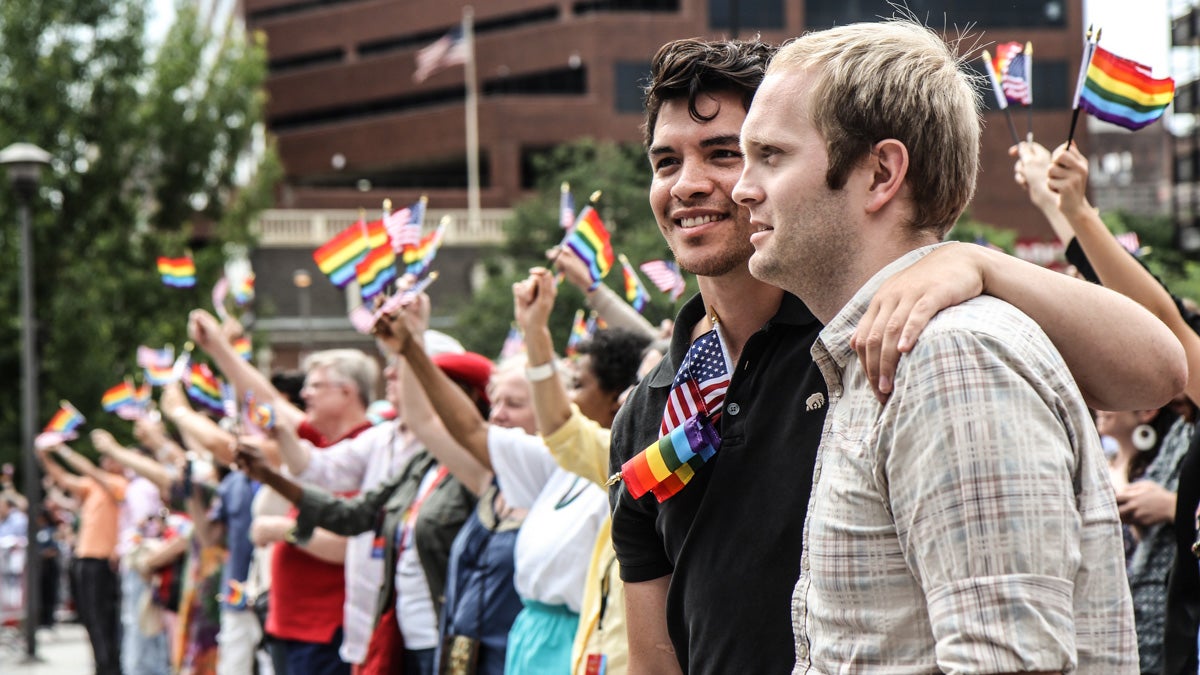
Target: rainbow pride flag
column 338, row 257
column 177, row 272
column 203, row 388
column 418, row 259
column 635, row 292
column 119, row 396
column 66, row 420
column 243, row 348
column 669, row 463
column 589, row 239
column 1122, row 92
column 579, row 333
column 376, row 270
column 243, row 291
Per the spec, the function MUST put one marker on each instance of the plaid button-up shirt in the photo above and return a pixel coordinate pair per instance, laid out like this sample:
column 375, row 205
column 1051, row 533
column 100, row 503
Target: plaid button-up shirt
column 967, row 526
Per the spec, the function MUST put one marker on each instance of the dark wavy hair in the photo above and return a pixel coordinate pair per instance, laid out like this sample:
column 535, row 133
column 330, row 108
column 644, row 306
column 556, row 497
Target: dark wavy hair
column 690, row 67
column 615, row 355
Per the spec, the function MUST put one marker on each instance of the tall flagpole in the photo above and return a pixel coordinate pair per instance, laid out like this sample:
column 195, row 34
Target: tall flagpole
column 472, row 110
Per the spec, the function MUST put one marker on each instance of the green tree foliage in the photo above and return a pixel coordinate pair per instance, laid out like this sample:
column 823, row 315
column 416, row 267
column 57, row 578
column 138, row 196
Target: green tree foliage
column 1180, row 274
column 155, row 153
column 622, row 174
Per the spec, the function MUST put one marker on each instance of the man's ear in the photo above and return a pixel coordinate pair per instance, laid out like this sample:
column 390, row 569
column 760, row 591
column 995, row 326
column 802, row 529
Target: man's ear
column 888, row 163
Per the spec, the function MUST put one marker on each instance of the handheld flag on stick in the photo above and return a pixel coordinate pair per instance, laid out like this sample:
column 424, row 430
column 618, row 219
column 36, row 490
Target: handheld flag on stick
column 148, row 357
column 669, row 463
column 566, row 207
column 1029, row 87
column 578, row 333
column 243, row 348
column 1084, row 62
column 118, row 396
column 665, row 276
column 67, row 420
column 589, row 240
column 418, row 259
column 203, row 388
column 177, row 272
column 1001, row 99
column 376, row 271
column 338, row 257
column 514, row 343
column 635, row 293
column 1122, row 92
column 404, row 226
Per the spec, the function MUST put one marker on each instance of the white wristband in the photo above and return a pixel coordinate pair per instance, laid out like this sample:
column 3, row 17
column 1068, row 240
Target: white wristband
column 539, row 373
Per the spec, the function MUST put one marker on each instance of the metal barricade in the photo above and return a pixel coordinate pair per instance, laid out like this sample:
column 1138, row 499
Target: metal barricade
column 12, row 592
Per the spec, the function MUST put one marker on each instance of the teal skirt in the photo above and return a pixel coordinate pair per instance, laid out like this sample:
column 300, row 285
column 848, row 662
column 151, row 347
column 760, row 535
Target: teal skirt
column 540, row 640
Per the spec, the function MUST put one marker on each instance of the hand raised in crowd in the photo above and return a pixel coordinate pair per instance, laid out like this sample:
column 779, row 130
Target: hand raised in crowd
column 250, row 459
column 172, row 398
column 1068, row 178
column 533, row 299
column 150, row 432
column 575, row 270
column 103, row 441
column 205, row 330
column 399, row 328
column 1033, row 163
column 906, row 302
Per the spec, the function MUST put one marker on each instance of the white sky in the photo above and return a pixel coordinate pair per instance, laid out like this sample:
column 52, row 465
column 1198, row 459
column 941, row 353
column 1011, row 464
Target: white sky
column 1136, row 29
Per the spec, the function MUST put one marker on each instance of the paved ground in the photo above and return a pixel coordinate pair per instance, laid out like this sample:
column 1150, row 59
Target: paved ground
column 63, row 650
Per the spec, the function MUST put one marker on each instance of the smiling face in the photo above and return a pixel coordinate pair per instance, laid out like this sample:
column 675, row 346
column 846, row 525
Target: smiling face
column 696, row 165
column 804, row 234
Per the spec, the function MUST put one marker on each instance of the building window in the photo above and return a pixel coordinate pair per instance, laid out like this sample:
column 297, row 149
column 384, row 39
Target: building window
column 1007, row 14
column 548, row 82
column 750, row 14
column 446, row 173
column 596, row 6
column 629, row 78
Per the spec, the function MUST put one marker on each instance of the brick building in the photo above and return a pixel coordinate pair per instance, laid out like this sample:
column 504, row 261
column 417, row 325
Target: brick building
column 354, row 128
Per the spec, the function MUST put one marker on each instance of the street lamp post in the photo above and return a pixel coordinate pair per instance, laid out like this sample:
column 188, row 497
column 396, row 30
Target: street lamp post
column 302, row 280
column 24, row 163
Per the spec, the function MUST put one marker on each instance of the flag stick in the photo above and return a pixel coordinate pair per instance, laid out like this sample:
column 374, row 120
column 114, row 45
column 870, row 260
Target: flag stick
column 1085, row 61
column 1001, row 99
column 1029, row 83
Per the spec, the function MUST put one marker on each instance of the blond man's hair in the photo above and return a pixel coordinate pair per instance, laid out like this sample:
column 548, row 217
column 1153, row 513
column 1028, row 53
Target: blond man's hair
column 894, row 79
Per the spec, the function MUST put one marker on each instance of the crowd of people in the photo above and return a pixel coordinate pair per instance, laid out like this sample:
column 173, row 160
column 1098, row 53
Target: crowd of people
column 858, row 449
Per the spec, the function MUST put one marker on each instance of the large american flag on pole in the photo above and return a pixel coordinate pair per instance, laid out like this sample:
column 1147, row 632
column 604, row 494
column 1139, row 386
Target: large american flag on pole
column 699, row 384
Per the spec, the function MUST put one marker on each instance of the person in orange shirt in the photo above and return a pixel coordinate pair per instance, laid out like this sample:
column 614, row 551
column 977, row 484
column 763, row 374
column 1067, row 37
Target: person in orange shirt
column 100, row 491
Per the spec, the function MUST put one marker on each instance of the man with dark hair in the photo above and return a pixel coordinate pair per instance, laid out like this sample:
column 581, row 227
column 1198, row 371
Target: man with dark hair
column 709, row 571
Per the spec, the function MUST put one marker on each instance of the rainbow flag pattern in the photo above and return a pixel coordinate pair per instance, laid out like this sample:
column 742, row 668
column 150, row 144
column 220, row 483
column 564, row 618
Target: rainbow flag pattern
column 119, row 396
column 376, row 270
column 243, row 348
column 66, row 420
column 579, row 333
column 243, row 291
column 338, row 257
column 203, row 388
column 635, row 292
column 589, row 239
column 1122, row 92
column 418, row 259
column 669, row 463
column 177, row 272
column 260, row 415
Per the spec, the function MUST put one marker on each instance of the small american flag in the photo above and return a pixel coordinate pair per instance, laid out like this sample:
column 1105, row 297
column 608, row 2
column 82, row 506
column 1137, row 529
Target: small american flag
column 449, row 50
column 665, row 276
column 1129, row 241
column 1015, row 83
column 699, row 385
column 566, row 207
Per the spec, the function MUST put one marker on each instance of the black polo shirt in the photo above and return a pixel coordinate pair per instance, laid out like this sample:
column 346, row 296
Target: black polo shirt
column 731, row 538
